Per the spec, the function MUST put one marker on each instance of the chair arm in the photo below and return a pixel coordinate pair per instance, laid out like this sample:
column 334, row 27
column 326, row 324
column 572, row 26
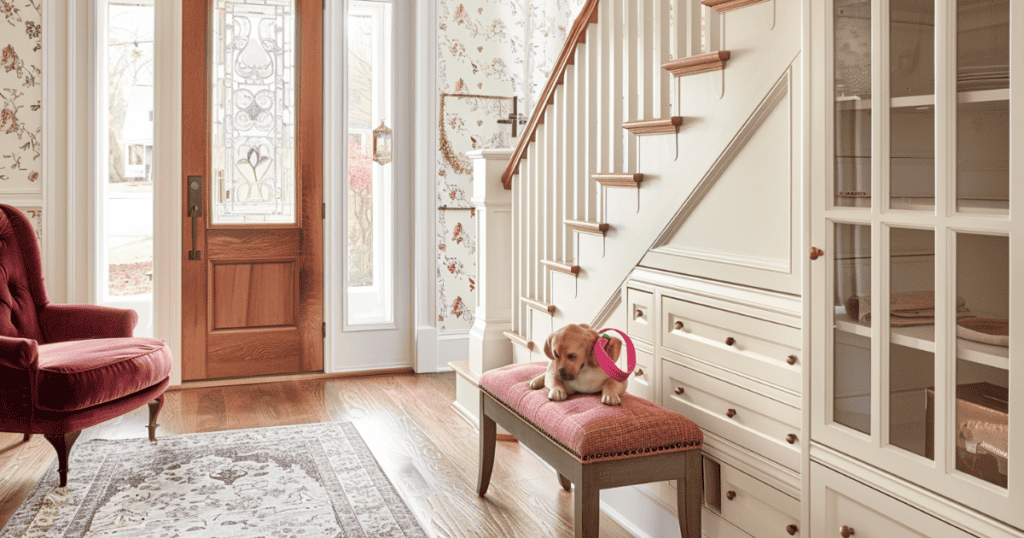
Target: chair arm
column 19, row 364
column 64, row 322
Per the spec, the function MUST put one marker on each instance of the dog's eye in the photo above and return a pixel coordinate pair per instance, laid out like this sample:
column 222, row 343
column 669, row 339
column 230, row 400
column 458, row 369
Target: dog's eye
column 572, row 356
column 556, row 355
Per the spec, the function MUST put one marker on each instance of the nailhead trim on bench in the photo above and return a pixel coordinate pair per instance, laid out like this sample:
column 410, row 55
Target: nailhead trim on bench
column 688, row 445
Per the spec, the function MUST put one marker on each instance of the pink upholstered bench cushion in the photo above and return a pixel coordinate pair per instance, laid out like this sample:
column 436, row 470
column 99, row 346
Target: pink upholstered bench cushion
column 84, row 373
column 588, row 429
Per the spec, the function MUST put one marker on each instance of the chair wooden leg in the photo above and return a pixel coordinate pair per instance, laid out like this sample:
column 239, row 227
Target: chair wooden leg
column 690, row 495
column 154, row 410
column 62, row 443
column 565, row 483
column 28, row 437
column 488, row 434
column 586, row 502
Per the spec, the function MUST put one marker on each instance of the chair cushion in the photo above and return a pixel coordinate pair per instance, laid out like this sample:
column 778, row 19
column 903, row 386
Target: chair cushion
column 21, row 290
column 588, row 429
column 80, row 374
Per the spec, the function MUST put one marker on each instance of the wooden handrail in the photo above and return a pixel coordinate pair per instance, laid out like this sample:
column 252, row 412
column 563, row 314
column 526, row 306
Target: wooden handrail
column 577, row 35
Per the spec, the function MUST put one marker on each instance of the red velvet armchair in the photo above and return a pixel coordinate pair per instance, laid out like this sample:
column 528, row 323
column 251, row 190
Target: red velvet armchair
column 66, row 367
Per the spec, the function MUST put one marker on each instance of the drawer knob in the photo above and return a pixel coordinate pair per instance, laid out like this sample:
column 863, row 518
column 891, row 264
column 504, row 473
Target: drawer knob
column 678, row 325
column 791, row 439
column 791, row 529
column 730, row 413
column 845, row 532
column 816, row 253
column 639, row 313
column 679, row 390
column 791, row 360
column 730, row 341
column 639, row 372
column 730, row 494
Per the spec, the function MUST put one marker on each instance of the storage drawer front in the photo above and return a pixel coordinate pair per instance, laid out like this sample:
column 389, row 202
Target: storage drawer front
column 640, row 315
column 838, row 501
column 760, row 424
column 640, row 381
column 759, row 348
column 756, row 507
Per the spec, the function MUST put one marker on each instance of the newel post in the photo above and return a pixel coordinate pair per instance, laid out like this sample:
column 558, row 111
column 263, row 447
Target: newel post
column 488, row 346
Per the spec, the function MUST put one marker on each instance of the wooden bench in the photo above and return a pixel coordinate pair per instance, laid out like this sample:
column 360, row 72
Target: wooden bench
column 592, row 445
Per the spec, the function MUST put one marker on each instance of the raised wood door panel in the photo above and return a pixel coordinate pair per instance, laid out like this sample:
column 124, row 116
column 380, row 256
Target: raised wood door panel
column 253, row 303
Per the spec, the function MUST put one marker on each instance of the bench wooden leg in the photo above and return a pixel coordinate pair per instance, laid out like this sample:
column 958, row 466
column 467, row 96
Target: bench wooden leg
column 488, row 433
column 587, row 506
column 565, row 483
column 690, row 495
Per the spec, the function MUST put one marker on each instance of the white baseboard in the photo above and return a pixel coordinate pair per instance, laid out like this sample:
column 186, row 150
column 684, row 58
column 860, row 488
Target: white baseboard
column 451, row 348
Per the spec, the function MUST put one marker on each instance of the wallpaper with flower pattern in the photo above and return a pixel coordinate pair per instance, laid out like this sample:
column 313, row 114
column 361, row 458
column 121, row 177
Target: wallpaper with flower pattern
column 21, row 95
column 487, row 52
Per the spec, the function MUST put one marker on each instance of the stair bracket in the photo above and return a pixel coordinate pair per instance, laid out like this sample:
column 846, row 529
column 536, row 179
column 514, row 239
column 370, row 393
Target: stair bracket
column 701, row 63
column 668, row 125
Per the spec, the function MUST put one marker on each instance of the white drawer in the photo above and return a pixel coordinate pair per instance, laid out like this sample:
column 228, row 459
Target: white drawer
column 641, row 379
column 752, row 346
column 838, row 501
column 713, row 526
column 758, row 508
column 758, row 423
column 640, row 315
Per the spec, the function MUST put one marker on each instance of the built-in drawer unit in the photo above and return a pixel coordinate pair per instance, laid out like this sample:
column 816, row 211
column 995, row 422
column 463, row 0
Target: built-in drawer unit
column 757, row 348
column 756, row 507
column 640, row 315
column 640, row 383
column 754, row 421
column 842, row 508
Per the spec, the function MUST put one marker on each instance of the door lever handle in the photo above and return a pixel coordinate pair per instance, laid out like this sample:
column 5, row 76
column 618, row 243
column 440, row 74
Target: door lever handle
column 194, row 254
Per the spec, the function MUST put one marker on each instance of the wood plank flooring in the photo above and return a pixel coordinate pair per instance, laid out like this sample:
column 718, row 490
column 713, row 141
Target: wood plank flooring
column 427, row 450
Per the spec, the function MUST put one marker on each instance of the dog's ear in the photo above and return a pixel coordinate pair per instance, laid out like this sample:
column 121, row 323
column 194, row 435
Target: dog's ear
column 614, row 349
column 549, row 345
column 591, row 339
column 585, row 326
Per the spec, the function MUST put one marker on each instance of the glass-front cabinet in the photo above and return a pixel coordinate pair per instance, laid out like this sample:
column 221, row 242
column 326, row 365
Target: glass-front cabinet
column 918, row 253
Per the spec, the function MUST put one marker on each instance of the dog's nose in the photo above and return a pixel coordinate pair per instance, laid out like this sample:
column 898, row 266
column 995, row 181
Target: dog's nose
column 561, row 373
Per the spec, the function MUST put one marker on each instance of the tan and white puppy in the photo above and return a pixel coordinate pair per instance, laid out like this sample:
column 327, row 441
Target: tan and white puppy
column 574, row 368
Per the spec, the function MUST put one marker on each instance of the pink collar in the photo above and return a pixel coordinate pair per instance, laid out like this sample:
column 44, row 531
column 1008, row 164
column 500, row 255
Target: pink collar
column 606, row 362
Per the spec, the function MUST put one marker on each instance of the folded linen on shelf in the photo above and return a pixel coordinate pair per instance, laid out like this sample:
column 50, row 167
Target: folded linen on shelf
column 907, row 308
column 985, row 330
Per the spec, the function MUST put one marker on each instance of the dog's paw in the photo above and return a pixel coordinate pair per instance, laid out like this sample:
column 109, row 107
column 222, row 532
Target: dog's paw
column 610, row 398
column 557, row 394
column 537, row 383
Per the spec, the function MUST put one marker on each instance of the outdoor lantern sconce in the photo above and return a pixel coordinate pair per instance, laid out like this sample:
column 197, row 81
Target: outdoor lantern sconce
column 382, row 144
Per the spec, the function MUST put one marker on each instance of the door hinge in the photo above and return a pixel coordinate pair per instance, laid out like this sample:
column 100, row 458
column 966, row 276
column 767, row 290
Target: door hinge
column 325, row 329
column 323, row 211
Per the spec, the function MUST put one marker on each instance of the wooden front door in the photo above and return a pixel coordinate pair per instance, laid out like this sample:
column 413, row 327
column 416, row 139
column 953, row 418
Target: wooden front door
column 252, row 222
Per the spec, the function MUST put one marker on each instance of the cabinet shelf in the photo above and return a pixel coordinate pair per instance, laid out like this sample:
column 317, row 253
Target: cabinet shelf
column 976, row 96
column 923, row 337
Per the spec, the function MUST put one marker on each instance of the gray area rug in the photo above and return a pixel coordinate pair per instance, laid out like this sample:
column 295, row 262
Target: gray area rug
column 305, row 481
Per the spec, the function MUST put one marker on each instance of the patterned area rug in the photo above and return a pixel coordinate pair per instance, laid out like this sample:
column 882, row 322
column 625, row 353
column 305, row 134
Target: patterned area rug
column 304, row 481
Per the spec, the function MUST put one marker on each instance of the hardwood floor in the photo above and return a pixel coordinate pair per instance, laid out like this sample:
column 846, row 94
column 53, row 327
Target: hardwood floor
column 427, row 450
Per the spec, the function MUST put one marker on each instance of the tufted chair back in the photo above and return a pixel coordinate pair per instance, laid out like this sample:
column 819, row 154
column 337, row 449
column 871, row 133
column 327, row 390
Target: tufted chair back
column 22, row 292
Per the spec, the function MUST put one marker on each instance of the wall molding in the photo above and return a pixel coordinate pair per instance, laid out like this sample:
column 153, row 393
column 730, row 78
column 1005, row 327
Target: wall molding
column 778, row 265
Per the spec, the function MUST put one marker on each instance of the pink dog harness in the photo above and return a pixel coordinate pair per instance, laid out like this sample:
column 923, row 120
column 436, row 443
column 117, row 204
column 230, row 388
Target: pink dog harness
column 606, row 362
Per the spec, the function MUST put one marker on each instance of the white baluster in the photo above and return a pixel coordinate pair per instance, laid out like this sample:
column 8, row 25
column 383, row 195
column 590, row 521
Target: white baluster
column 543, row 195
column 662, row 23
column 647, row 49
column 582, row 149
column 632, row 73
column 694, row 42
column 567, row 157
column 713, row 32
column 552, row 213
column 611, row 16
column 593, row 116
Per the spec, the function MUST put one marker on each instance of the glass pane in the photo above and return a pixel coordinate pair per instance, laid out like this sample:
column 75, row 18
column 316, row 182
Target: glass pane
column 912, row 105
column 853, row 103
column 911, row 338
column 370, row 117
column 253, row 142
column 983, row 106
column 983, row 345
column 128, row 204
column 852, row 328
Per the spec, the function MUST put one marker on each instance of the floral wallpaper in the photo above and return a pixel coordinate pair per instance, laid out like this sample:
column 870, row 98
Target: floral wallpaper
column 547, row 25
column 21, row 95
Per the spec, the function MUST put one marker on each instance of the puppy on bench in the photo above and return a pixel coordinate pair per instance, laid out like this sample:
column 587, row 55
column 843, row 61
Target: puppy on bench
column 574, row 368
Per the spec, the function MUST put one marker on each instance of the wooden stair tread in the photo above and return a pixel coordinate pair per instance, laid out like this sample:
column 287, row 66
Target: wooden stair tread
column 722, row 6
column 520, row 340
column 538, row 305
column 653, row 126
column 587, row 226
column 561, row 267
column 701, row 63
column 619, row 180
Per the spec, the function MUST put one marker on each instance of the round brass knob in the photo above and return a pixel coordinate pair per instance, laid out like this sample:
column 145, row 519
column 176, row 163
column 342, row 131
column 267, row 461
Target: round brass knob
column 791, row 439
column 639, row 313
column 845, row 532
column 679, row 325
column 679, row 390
column 730, row 494
column 730, row 341
column 791, row 529
column 730, row 413
column 639, row 372
column 816, row 253
column 791, row 360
